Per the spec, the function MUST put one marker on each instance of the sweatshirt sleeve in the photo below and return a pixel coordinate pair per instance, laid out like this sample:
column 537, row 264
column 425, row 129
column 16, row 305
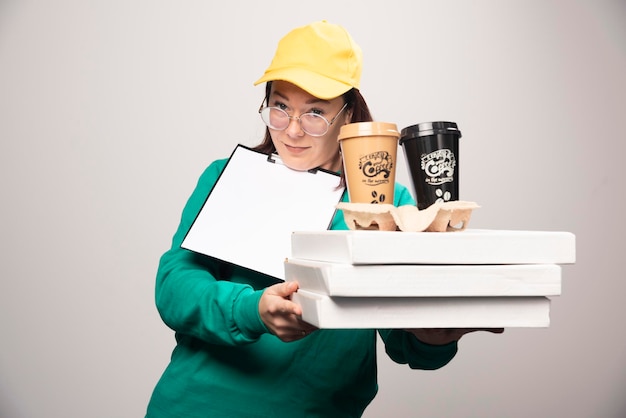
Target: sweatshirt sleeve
column 404, row 348
column 189, row 295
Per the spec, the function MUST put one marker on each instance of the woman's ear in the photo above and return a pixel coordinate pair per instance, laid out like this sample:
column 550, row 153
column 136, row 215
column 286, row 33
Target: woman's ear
column 348, row 116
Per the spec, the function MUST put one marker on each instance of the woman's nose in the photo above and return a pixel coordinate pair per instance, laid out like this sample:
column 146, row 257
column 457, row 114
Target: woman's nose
column 294, row 129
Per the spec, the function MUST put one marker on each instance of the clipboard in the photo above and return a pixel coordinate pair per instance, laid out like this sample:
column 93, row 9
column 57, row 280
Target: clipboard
column 255, row 205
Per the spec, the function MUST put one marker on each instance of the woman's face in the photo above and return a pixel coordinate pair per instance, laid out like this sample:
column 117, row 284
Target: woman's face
column 296, row 148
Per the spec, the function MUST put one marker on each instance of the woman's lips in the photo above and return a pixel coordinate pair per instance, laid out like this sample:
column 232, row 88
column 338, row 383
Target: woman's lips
column 296, row 150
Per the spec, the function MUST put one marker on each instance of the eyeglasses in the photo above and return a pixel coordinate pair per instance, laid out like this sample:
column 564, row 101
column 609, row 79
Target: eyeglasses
column 311, row 123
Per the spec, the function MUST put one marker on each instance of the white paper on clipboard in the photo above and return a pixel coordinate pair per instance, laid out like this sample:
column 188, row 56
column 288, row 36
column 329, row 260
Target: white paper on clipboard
column 255, row 205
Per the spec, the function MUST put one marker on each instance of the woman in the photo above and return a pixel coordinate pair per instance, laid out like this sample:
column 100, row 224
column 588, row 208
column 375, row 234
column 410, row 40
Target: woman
column 242, row 349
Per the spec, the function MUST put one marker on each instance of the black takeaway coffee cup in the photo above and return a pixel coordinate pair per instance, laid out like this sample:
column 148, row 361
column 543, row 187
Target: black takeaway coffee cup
column 431, row 150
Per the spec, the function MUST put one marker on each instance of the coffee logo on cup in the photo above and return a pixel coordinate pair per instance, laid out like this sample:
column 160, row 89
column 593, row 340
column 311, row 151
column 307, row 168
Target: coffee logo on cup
column 439, row 166
column 374, row 164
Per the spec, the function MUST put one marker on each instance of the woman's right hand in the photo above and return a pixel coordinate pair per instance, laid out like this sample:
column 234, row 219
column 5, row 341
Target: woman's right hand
column 282, row 316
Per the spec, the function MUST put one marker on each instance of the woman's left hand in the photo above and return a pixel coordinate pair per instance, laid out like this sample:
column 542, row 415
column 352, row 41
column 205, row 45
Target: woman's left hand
column 441, row 336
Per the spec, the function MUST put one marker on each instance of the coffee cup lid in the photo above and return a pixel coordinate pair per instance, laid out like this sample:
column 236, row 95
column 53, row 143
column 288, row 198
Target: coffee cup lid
column 429, row 128
column 374, row 128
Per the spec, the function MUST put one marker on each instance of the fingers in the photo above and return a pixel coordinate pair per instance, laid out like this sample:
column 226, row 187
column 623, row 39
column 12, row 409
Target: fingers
column 291, row 328
column 283, row 307
column 279, row 313
column 284, row 290
column 302, row 332
column 277, row 298
column 438, row 336
column 494, row 330
column 282, row 316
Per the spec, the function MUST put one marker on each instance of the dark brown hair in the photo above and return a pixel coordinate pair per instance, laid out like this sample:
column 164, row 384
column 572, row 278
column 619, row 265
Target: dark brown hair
column 354, row 99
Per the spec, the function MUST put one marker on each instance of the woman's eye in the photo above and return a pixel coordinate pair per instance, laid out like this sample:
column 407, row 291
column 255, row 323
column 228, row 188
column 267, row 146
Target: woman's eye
column 280, row 105
column 317, row 111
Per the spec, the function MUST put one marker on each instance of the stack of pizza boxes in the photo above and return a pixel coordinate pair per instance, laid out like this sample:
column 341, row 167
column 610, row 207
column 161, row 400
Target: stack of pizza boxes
column 392, row 279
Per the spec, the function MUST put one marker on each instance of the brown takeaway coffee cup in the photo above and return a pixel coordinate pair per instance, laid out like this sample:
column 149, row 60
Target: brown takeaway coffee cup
column 369, row 151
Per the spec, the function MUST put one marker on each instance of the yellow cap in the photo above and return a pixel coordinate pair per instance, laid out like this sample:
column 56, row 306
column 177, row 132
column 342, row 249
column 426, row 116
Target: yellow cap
column 320, row 58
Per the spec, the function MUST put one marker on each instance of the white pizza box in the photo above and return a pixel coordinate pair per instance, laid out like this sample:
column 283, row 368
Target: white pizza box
column 398, row 280
column 470, row 246
column 328, row 312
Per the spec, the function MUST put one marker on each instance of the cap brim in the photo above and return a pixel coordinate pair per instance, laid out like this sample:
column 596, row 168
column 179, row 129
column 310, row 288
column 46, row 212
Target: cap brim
column 315, row 84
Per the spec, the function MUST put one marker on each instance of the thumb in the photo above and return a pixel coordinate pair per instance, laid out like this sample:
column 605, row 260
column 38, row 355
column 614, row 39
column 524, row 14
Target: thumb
column 287, row 289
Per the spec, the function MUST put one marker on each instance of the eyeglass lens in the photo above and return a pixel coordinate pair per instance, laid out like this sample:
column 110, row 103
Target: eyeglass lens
column 311, row 123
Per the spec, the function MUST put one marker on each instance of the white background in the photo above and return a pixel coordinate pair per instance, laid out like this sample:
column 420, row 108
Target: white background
column 110, row 110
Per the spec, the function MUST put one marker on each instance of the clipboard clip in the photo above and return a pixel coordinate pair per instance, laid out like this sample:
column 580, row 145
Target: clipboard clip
column 274, row 158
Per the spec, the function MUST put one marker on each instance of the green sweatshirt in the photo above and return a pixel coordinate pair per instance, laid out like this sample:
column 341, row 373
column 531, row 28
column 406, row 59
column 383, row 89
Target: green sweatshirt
column 227, row 364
